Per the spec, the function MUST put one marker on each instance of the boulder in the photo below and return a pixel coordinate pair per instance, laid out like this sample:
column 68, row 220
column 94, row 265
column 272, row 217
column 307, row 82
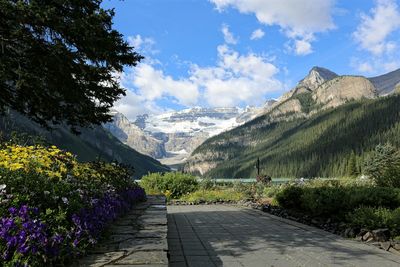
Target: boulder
column 368, row 236
column 386, row 245
column 381, row 235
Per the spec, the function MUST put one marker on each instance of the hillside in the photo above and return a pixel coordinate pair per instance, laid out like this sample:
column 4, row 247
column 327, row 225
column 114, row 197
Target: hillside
column 323, row 113
column 322, row 145
column 90, row 144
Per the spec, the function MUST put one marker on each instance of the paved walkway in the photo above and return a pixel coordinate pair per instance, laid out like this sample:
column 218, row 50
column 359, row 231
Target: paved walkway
column 219, row 235
column 136, row 239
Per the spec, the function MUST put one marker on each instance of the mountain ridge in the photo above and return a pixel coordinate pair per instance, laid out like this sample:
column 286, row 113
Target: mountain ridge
column 312, row 96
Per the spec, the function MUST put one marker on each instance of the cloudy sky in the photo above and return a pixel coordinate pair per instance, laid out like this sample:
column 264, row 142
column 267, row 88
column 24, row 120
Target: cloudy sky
column 220, row 53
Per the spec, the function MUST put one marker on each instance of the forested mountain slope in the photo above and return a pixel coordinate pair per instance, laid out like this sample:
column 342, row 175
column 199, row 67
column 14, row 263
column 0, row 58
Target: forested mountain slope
column 329, row 143
column 89, row 145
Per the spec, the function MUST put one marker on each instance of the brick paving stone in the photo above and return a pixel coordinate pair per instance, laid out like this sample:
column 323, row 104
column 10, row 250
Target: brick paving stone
column 222, row 235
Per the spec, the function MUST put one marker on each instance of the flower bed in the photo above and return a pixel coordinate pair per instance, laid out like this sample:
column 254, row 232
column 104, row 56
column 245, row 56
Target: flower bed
column 54, row 208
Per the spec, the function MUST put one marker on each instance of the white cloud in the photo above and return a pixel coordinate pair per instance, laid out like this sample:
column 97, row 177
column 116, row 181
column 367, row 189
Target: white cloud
column 375, row 66
column 302, row 47
column 365, row 67
column 373, row 35
column 143, row 44
column 257, row 34
column 153, row 84
column 299, row 19
column 228, row 36
column 133, row 104
column 236, row 79
column 375, row 28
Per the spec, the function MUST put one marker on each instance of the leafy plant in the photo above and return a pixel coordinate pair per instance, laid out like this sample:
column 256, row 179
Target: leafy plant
column 176, row 183
column 290, row 197
column 374, row 218
column 214, row 195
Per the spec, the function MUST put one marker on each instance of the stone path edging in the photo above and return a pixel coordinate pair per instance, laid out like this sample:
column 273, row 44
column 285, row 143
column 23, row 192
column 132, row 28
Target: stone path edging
column 137, row 239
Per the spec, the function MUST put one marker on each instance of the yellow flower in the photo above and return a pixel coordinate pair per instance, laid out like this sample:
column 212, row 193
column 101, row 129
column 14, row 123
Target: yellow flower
column 167, row 193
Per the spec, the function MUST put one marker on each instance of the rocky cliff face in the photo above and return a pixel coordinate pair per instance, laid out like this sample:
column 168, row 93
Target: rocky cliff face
column 133, row 136
column 342, row 89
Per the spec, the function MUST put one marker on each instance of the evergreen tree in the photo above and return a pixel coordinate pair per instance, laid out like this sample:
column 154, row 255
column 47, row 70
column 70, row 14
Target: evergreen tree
column 57, row 60
column 352, row 165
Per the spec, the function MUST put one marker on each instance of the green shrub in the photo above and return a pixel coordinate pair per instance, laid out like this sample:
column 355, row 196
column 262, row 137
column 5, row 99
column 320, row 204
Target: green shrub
column 336, row 201
column 372, row 218
column 249, row 190
column 290, row 197
column 214, row 195
column 207, row 183
column 383, row 165
column 322, row 201
column 172, row 184
column 371, row 196
column 271, row 191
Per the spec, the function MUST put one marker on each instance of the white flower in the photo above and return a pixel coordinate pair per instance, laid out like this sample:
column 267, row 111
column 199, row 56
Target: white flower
column 46, row 193
column 2, row 187
column 65, row 200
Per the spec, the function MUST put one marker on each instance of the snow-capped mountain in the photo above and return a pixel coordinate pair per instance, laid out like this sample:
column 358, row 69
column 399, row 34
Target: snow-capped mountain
column 172, row 137
column 193, row 120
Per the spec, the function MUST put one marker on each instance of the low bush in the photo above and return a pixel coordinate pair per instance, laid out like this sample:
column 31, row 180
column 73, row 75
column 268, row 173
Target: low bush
column 290, row 197
column 213, row 195
column 328, row 201
column 271, row 191
column 207, row 183
column 172, row 184
column 373, row 218
column 53, row 208
column 249, row 190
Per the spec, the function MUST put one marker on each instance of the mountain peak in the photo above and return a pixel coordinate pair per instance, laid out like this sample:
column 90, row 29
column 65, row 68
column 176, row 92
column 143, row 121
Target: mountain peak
column 316, row 77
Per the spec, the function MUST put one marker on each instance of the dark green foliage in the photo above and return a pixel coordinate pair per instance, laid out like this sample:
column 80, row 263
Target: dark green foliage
column 172, row 184
column 57, row 60
column 352, row 165
column 337, row 201
column 383, row 165
column 290, row 197
column 374, row 218
column 331, row 143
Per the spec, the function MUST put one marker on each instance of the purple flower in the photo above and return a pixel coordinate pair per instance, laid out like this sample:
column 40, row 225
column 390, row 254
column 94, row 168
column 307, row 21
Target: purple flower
column 13, row 211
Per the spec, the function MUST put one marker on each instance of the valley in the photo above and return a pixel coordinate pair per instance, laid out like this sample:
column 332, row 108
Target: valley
column 290, row 134
column 172, row 137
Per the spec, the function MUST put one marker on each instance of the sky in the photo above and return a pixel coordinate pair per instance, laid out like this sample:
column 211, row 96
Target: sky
column 225, row 53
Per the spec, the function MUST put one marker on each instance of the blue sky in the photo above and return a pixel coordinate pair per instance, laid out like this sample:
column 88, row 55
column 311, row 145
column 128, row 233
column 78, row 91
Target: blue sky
column 242, row 52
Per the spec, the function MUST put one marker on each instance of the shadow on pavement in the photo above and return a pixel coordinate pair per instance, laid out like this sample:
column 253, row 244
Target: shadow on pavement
column 218, row 235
